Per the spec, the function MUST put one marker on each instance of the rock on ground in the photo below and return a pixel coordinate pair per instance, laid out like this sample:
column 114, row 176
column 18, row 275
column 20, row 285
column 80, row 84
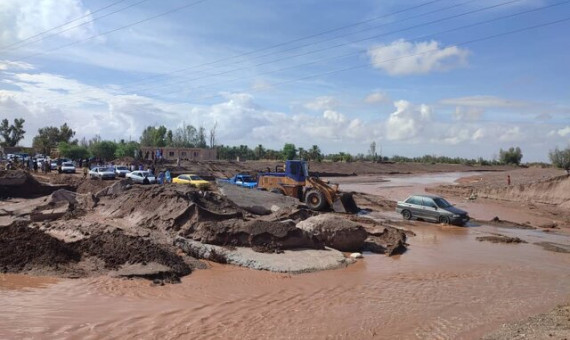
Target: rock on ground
column 258, row 202
column 336, row 232
column 290, row 261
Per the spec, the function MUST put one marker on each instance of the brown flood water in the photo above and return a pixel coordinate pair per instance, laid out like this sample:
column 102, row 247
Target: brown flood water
column 447, row 286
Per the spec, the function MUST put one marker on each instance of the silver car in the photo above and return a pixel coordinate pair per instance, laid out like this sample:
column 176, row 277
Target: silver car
column 432, row 208
column 102, row 173
column 121, row 170
column 141, row 177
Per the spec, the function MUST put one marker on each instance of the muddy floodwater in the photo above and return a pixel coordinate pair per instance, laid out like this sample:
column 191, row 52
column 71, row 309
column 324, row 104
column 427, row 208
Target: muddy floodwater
column 447, row 285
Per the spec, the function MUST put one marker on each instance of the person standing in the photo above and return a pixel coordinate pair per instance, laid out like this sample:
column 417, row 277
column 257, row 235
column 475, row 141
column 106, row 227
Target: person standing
column 167, row 176
column 508, row 179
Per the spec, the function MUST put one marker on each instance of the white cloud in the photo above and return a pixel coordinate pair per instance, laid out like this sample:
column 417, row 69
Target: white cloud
column 564, row 132
column 23, row 19
column 512, row 134
column 334, row 116
column 407, row 121
column 377, row 97
column 322, row 103
column 478, row 134
column 467, row 113
column 14, row 65
column 485, row 102
column 404, row 58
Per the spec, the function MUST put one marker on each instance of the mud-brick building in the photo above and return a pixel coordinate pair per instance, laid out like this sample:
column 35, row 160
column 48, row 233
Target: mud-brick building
column 171, row 153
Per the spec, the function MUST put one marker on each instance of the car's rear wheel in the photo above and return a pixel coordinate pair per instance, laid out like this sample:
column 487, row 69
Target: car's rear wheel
column 443, row 219
column 407, row 215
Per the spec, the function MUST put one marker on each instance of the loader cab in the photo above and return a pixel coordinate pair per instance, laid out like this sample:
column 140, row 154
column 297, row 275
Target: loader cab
column 297, row 170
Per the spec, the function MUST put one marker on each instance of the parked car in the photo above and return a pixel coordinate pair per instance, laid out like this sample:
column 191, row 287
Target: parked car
column 53, row 165
column 433, row 208
column 193, row 180
column 121, row 170
column 68, row 167
column 242, row 180
column 102, row 173
column 141, row 177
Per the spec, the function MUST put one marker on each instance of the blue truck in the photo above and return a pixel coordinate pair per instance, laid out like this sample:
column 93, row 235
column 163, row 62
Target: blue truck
column 242, row 180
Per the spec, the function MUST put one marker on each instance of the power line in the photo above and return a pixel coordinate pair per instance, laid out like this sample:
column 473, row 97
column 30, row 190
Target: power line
column 21, row 42
column 468, row 42
column 292, row 41
column 114, row 30
column 323, row 49
column 356, row 41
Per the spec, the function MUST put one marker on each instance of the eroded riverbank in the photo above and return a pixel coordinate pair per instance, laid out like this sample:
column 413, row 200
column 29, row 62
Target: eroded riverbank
column 447, row 285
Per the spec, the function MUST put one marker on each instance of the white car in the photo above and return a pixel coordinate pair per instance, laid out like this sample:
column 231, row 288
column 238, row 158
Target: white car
column 102, row 173
column 53, row 165
column 121, row 170
column 142, row 177
column 68, row 167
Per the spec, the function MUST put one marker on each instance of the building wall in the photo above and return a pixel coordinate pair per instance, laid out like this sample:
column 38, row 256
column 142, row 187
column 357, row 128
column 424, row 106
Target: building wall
column 169, row 153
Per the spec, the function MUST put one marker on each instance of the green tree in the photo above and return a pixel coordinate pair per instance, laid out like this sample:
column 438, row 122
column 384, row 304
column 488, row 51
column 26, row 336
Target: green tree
column 73, row 151
column 259, row 151
column 511, row 156
column 154, row 136
column 315, row 153
column 289, row 151
column 12, row 134
column 184, row 137
column 201, row 138
column 126, row 149
column 104, row 150
column 49, row 137
column 372, row 152
column 560, row 158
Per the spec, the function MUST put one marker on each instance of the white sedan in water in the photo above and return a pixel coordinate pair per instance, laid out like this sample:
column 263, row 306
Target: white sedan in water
column 141, row 177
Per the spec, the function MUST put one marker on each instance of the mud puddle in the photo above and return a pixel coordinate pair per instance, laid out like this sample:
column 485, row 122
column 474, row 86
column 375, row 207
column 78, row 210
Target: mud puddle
column 447, row 285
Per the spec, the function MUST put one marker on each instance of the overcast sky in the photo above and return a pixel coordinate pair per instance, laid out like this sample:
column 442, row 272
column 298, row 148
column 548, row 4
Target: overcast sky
column 456, row 78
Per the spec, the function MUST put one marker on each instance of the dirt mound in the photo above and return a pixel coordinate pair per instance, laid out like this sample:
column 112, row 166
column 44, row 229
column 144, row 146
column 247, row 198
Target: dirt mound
column 117, row 249
column 262, row 236
column 553, row 191
column 167, row 208
column 19, row 183
column 390, row 241
column 338, row 233
column 23, row 248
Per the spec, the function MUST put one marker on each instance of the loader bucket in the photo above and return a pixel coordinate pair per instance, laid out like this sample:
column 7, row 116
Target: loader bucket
column 345, row 204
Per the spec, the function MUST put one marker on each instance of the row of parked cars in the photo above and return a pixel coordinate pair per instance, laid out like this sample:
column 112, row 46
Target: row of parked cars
column 143, row 176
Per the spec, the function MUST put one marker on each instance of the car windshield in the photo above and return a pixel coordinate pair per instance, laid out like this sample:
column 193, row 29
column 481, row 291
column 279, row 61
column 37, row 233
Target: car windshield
column 67, row 164
column 442, row 203
column 122, row 168
column 195, row 178
column 106, row 170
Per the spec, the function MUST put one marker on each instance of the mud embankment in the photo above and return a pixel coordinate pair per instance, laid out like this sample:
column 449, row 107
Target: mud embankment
column 19, row 183
column 553, row 191
column 135, row 230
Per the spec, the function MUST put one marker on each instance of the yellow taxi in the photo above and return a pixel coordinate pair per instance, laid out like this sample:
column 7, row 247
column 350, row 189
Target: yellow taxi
column 193, row 180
